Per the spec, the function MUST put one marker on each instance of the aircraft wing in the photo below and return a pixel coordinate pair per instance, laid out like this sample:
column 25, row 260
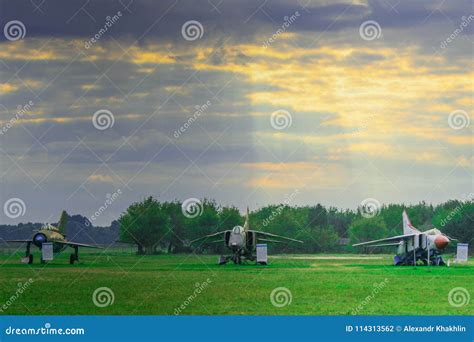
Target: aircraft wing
column 269, row 240
column 390, row 239
column 29, row 240
column 65, row 243
column 386, row 244
column 207, row 237
column 265, row 234
column 73, row 244
column 450, row 238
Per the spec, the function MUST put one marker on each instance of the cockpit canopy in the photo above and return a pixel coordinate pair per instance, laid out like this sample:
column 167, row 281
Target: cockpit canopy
column 237, row 230
column 433, row 231
column 49, row 226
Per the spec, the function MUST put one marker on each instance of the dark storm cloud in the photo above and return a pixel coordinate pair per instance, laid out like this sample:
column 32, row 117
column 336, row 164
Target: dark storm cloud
column 416, row 13
column 153, row 90
column 153, row 19
column 162, row 20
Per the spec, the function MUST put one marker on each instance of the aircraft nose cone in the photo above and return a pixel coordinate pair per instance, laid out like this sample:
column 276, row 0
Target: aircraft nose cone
column 441, row 241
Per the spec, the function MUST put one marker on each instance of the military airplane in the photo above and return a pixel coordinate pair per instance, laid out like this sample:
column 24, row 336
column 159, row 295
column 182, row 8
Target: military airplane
column 242, row 241
column 414, row 246
column 56, row 235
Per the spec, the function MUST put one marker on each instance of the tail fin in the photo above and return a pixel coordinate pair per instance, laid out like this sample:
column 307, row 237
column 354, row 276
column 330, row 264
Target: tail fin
column 62, row 222
column 247, row 224
column 408, row 228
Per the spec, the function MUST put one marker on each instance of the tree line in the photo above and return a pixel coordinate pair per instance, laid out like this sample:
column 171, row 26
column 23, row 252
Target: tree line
column 167, row 227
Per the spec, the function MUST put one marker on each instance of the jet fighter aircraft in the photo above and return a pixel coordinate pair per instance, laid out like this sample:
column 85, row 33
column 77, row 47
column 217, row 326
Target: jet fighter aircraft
column 56, row 235
column 242, row 241
column 414, row 245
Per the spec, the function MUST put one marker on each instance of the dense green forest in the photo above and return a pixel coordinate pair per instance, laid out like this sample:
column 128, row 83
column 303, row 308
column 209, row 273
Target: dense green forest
column 169, row 226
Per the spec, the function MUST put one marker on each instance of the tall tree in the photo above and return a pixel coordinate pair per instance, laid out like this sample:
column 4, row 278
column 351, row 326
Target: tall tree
column 366, row 229
column 176, row 239
column 145, row 223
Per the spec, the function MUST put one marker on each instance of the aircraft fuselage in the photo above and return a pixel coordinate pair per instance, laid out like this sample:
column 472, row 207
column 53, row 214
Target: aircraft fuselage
column 49, row 235
column 427, row 247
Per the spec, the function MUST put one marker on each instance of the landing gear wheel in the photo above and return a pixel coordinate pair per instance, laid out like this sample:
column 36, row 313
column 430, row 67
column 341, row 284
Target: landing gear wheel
column 236, row 259
column 72, row 259
column 439, row 261
column 30, row 259
column 222, row 260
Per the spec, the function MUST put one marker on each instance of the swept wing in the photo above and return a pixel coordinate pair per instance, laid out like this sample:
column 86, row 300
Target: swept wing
column 397, row 238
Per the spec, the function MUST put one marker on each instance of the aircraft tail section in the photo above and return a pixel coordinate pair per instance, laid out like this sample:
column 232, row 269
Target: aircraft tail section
column 62, row 222
column 247, row 224
column 408, row 228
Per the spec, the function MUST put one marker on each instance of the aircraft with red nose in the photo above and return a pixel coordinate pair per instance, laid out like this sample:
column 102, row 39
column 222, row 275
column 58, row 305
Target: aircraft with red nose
column 414, row 246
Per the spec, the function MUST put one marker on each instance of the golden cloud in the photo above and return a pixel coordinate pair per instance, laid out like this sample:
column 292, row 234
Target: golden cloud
column 6, row 88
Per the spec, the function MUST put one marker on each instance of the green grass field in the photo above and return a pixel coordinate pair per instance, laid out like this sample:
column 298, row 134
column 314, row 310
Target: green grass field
column 158, row 285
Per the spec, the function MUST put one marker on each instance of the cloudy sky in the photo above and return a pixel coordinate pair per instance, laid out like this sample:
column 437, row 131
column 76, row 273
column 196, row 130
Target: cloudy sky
column 246, row 102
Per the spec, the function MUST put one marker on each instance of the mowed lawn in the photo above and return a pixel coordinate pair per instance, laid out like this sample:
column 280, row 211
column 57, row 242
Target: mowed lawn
column 158, row 285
